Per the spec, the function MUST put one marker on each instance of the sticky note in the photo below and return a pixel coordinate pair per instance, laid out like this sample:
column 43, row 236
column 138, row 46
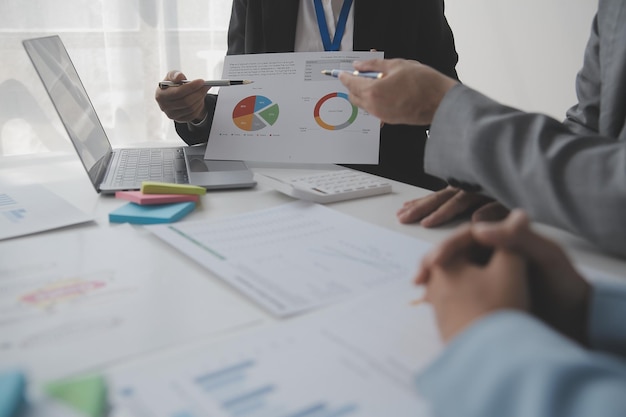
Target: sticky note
column 151, row 214
column 87, row 395
column 12, row 389
column 138, row 197
column 151, row 187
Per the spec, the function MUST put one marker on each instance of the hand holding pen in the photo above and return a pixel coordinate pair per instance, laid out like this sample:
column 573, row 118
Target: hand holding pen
column 188, row 104
column 408, row 93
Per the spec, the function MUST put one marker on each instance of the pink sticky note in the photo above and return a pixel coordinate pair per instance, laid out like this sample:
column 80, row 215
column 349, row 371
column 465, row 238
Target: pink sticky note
column 138, row 197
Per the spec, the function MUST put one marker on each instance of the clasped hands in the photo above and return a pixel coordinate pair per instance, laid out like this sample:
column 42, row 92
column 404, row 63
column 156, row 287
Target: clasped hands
column 486, row 267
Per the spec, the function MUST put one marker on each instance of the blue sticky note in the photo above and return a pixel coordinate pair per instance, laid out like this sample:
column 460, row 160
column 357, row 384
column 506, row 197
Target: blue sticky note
column 153, row 214
column 12, row 389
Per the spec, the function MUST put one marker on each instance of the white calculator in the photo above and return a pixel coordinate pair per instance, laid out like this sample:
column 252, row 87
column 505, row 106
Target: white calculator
column 328, row 186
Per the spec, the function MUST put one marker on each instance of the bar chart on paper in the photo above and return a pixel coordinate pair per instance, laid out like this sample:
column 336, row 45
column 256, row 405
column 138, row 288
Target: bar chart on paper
column 240, row 390
column 297, row 370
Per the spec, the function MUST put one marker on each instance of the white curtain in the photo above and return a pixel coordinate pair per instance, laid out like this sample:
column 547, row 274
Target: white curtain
column 121, row 49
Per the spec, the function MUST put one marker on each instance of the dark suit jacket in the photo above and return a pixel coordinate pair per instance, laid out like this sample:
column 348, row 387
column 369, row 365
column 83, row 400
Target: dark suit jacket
column 411, row 29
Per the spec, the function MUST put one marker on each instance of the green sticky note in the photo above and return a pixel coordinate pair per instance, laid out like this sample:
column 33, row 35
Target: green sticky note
column 87, row 395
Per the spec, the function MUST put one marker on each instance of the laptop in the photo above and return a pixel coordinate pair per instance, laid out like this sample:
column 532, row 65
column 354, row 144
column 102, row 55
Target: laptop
column 121, row 169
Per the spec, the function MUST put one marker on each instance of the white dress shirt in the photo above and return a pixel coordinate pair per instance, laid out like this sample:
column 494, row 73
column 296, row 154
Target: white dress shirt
column 308, row 38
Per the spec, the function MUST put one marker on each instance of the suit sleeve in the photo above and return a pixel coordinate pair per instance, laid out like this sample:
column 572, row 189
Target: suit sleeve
column 584, row 117
column 576, row 181
column 509, row 364
column 193, row 135
column 237, row 28
column 607, row 324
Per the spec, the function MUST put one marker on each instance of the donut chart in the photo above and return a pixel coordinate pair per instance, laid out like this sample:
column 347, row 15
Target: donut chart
column 255, row 113
column 341, row 107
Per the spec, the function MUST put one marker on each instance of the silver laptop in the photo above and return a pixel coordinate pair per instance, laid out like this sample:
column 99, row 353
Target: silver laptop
column 121, row 169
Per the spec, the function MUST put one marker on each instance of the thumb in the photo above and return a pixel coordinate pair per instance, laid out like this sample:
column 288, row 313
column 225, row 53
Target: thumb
column 512, row 232
column 175, row 76
column 513, row 264
column 510, row 272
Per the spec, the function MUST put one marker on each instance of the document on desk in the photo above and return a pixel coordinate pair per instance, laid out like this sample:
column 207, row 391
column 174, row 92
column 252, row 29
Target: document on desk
column 33, row 208
column 357, row 360
column 292, row 112
column 297, row 256
column 70, row 302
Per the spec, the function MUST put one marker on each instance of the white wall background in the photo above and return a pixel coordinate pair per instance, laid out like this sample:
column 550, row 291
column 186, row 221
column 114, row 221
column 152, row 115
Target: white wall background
column 522, row 53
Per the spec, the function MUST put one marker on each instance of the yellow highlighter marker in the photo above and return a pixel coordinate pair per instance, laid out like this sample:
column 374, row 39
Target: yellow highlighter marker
column 152, row 187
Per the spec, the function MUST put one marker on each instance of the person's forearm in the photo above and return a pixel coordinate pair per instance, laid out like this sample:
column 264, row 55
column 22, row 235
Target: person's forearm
column 510, row 364
column 533, row 162
column 607, row 324
column 193, row 135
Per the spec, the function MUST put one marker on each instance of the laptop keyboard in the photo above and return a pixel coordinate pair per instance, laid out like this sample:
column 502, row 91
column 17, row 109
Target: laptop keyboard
column 150, row 164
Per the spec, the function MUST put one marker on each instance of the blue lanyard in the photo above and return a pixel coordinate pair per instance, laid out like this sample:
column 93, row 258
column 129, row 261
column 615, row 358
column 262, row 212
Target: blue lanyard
column 341, row 25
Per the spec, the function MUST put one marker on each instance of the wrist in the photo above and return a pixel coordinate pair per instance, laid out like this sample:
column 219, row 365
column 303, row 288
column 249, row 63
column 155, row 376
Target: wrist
column 200, row 120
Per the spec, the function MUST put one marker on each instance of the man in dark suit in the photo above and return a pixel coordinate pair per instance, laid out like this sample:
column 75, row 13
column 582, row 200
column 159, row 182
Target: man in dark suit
column 402, row 29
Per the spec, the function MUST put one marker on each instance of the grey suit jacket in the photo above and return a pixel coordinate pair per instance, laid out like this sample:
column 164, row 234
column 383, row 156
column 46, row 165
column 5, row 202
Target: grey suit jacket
column 570, row 174
column 402, row 29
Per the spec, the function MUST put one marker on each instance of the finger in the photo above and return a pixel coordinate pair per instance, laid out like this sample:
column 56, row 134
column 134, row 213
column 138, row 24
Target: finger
column 422, row 275
column 490, row 212
column 371, row 65
column 175, row 76
column 355, row 86
column 510, row 271
column 515, row 234
column 455, row 247
column 417, row 209
column 196, row 85
column 182, row 106
column 459, row 204
column 506, row 260
column 511, row 233
column 431, row 288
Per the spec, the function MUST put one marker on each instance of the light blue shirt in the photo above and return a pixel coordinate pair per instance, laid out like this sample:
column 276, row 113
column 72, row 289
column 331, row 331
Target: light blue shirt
column 511, row 364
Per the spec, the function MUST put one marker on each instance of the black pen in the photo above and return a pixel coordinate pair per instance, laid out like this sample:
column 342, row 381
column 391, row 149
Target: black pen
column 367, row 74
column 208, row 83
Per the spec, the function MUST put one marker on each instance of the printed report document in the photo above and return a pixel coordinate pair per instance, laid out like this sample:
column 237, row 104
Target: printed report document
column 297, row 256
column 354, row 360
column 291, row 112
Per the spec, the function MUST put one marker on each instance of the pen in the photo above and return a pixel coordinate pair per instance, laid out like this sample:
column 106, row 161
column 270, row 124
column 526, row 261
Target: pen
column 208, row 83
column 417, row 302
column 367, row 74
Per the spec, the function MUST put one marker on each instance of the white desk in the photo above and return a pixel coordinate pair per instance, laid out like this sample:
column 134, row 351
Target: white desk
column 230, row 313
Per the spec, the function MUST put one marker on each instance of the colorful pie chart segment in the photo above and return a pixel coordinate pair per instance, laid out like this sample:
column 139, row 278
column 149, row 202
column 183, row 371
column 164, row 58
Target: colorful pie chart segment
column 339, row 104
column 255, row 113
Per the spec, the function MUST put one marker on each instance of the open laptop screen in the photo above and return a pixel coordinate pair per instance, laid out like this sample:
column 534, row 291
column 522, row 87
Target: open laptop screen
column 71, row 101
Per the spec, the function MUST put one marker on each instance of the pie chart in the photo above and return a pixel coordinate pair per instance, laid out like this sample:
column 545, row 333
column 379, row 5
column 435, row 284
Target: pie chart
column 334, row 111
column 255, row 113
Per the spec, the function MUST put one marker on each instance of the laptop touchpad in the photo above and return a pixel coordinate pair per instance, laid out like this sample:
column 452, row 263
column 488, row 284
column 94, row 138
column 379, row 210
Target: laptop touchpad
column 197, row 164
